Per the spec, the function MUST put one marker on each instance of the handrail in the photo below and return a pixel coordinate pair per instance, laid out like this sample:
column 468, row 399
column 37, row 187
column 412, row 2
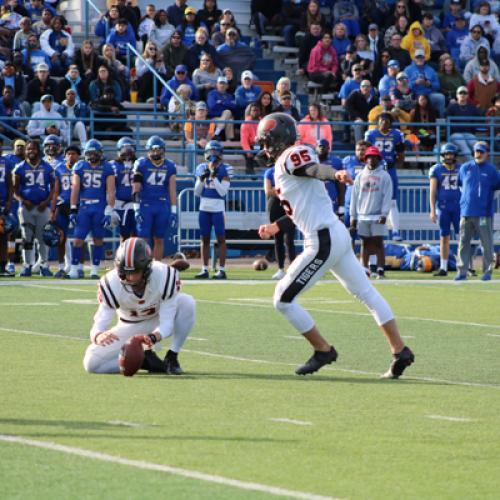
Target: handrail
column 87, row 20
column 157, row 77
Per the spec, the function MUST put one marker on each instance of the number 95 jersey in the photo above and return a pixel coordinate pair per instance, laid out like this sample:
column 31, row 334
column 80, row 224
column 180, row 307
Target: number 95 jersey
column 304, row 199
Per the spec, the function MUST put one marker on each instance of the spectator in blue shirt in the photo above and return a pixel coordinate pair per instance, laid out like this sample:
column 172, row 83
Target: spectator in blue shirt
column 176, row 12
column 450, row 16
column 180, row 77
column 388, row 82
column 455, row 36
column 246, row 93
column 479, row 179
column 221, row 105
column 424, row 80
column 351, row 83
column 189, row 26
column 35, row 9
column 231, row 42
column 463, row 135
column 119, row 37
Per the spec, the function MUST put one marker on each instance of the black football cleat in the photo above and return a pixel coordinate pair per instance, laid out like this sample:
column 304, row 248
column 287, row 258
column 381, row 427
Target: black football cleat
column 152, row 363
column 171, row 364
column 201, row 276
column 441, row 272
column 316, row 361
column 401, row 361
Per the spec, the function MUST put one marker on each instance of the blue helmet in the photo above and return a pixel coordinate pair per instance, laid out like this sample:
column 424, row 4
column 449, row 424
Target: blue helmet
column 448, row 147
column 51, row 144
column 51, row 234
column 155, row 142
column 93, row 150
column 213, row 151
column 8, row 224
column 125, row 142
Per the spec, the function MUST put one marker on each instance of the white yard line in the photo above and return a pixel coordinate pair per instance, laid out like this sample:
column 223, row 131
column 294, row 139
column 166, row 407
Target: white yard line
column 81, row 302
column 290, row 421
column 176, row 471
column 492, row 335
column 277, row 363
column 449, row 419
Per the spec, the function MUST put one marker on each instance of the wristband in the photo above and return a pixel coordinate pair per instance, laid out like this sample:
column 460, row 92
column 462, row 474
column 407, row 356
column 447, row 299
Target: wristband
column 153, row 337
column 173, row 209
column 73, row 209
column 136, row 206
column 108, row 210
column 341, row 210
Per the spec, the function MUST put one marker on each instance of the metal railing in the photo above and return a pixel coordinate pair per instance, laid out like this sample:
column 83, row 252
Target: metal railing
column 88, row 3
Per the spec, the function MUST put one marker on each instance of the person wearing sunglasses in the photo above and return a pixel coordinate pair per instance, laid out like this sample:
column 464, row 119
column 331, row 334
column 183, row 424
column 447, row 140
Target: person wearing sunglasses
column 174, row 53
column 471, row 43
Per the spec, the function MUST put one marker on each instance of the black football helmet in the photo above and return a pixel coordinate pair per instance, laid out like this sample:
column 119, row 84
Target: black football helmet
column 276, row 132
column 133, row 255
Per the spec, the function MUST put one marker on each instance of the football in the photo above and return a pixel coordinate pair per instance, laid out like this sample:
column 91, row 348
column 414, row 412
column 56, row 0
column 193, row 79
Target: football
column 260, row 264
column 180, row 264
column 131, row 356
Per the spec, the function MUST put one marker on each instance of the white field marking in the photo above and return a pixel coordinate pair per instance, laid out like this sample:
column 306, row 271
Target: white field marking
column 123, row 423
column 276, row 363
column 82, row 302
column 492, row 335
column 176, row 471
column 290, row 421
column 28, row 304
column 63, row 288
column 449, row 419
column 353, row 313
column 197, row 339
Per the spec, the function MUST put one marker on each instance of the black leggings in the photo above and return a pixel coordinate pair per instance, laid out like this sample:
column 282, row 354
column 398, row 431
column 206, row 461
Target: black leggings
column 275, row 212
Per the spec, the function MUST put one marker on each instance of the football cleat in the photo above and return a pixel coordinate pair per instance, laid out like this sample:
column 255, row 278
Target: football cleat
column 380, row 274
column 152, row 363
column 441, row 272
column 472, row 272
column 60, row 274
column 486, row 276
column 316, row 361
column 219, row 275
column 74, row 274
column 46, row 272
column 460, row 277
column 94, row 276
column 172, row 366
column 280, row 274
column 202, row 276
column 11, row 268
column 401, row 361
column 26, row 272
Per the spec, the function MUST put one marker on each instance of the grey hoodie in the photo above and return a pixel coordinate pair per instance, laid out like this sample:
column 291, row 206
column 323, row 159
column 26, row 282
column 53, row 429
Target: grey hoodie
column 472, row 67
column 372, row 194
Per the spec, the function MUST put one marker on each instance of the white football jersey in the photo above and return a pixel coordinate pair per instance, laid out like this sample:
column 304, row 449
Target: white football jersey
column 163, row 285
column 304, row 199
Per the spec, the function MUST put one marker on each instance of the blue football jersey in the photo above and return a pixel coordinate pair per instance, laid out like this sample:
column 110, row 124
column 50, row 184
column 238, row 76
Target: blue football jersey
column 55, row 160
column 35, row 182
column 5, row 171
column 448, row 191
column 388, row 144
column 209, row 190
column 154, row 179
column 269, row 174
column 63, row 172
column 93, row 180
column 336, row 163
column 13, row 160
column 123, row 175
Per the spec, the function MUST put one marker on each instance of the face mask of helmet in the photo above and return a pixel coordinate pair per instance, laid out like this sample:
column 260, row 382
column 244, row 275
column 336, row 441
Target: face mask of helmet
column 212, row 155
column 127, row 153
column 156, row 153
column 93, row 156
column 50, row 149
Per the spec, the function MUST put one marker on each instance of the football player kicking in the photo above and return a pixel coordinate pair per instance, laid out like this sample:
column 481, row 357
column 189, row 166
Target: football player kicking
column 145, row 297
column 327, row 244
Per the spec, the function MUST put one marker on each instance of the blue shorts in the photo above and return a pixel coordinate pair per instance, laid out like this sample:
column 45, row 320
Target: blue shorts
column 89, row 220
column 448, row 216
column 155, row 223
column 209, row 219
column 127, row 223
column 395, row 182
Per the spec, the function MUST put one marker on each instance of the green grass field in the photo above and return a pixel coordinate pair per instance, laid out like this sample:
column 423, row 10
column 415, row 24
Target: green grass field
column 241, row 414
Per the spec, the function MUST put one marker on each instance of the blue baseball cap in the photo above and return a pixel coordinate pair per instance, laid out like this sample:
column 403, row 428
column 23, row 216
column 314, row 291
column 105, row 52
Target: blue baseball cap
column 393, row 63
column 481, row 146
column 323, row 142
column 180, row 68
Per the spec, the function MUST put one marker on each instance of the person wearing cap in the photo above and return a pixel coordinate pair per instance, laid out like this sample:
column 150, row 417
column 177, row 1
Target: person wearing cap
column 119, row 37
column 40, row 85
column 245, row 93
column 455, row 36
column 375, row 40
column 483, row 87
column 58, row 45
column 351, row 59
column 70, row 108
column 388, row 82
column 176, row 12
column 415, row 40
column 451, row 15
column 46, row 121
column 474, row 40
column 312, row 37
column 424, row 80
column 174, row 53
column 358, row 105
column 403, row 96
column 221, row 106
column 463, row 135
column 323, row 64
column 434, row 35
column 396, row 52
column 478, row 180
column 197, row 133
column 189, row 25
column 33, row 181
column 180, row 77
column 370, row 205
column 60, row 207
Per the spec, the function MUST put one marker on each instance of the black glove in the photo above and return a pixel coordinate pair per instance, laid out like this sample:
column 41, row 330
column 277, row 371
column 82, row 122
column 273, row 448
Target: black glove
column 205, row 175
